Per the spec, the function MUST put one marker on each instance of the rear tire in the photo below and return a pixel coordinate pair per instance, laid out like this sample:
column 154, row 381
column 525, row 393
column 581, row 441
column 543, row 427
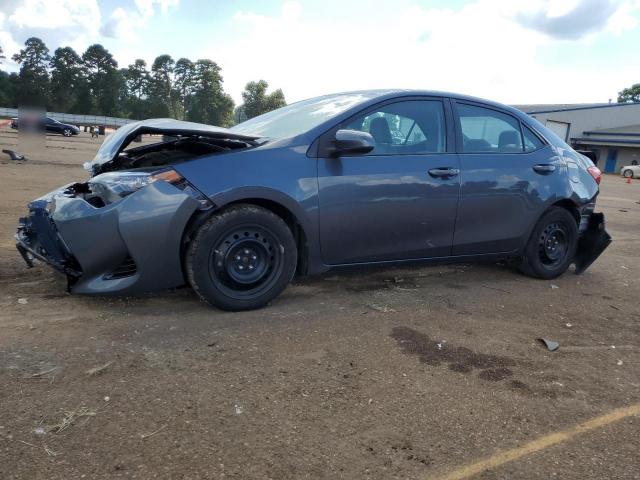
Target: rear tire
column 552, row 245
column 241, row 258
column 627, row 173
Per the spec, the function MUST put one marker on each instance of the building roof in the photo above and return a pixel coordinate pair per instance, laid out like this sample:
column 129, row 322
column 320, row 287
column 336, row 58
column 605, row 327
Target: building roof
column 625, row 131
column 564, row 107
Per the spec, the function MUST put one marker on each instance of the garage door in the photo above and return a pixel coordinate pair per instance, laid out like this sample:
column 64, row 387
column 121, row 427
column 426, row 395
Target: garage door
column 559, row 128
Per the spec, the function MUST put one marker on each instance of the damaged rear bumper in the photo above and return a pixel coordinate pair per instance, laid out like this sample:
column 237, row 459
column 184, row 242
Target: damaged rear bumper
column 593, row 241
column 126, row 247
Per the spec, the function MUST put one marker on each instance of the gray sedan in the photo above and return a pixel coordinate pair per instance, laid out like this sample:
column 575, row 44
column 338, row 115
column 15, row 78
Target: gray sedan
column 362, row 178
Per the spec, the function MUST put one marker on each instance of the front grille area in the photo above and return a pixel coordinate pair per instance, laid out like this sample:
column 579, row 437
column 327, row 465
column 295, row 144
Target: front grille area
column 127, row 268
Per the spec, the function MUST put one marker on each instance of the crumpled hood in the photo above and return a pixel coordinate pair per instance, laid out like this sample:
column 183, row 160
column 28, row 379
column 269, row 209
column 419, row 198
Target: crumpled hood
column 117, row 141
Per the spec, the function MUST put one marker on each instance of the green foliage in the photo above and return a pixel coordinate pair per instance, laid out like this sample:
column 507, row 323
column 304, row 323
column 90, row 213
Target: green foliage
column 92, row 83
column 33, row 85
column 161, row 87
column 104, row 80
column 257, row 102
column 8, row 88
column 184, row 74
column 208, row 103
column 631, row 94
column 67, row 74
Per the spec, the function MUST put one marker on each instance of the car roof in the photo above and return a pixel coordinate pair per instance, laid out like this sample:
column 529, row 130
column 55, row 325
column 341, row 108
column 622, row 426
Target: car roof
column 376, row 95
column 381, row 94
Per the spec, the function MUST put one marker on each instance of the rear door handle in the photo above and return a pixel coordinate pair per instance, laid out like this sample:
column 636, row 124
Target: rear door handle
column 444, row 172
column 544, row 168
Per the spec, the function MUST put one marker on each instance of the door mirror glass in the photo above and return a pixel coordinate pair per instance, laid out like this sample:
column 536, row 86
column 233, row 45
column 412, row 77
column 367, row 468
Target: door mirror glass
column 352, row 142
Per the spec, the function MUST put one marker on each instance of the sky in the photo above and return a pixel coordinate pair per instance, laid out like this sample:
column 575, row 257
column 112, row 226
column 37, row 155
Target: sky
column 511, row 51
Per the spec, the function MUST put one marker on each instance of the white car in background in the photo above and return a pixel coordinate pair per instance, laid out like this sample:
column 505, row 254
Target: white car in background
column 630, row 171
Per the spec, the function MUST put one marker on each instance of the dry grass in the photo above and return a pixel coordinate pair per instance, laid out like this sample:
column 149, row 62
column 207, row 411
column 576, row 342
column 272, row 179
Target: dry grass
column 42, row 373
column 70, row 418
column 92, row 372
column 51, row 452
column 147, row 435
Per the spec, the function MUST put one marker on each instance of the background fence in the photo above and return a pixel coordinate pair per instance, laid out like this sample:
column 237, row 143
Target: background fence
column 74, row 119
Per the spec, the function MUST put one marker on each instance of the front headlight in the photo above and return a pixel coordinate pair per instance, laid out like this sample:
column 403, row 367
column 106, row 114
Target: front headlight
column 113, row 186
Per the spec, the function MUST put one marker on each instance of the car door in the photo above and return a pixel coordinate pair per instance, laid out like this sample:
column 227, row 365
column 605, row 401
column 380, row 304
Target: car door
column 508, row 175
column 398, row 201
column 50, row 125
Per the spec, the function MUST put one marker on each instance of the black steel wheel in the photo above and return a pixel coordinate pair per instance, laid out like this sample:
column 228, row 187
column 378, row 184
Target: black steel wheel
column 552, row 245
column 241, row 258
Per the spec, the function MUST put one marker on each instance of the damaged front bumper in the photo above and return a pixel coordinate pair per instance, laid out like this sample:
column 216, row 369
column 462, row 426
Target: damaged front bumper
column 594, row 239
column 126, row 247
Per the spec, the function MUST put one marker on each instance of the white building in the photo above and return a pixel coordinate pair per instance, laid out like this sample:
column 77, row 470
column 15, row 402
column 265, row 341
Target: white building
column 610, row 130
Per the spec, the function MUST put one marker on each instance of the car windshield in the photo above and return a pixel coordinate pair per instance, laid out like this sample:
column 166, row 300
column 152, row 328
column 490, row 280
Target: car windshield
column 302, row 116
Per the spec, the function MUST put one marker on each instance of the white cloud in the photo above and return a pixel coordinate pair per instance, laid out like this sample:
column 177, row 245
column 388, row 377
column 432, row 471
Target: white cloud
column 481, row 49
column 8, row 44
column 573, row 20
column 125, row 24
column 67, row 22
column 120, row 25
column 56, row 14
column 147, row 7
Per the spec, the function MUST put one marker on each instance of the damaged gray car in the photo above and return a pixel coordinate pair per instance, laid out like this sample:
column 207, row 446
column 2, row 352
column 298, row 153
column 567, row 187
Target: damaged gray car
column 351, row 179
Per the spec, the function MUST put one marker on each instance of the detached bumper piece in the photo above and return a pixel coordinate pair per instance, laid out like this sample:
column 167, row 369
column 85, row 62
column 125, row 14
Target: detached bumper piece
column 592, row 243
column 37, row 237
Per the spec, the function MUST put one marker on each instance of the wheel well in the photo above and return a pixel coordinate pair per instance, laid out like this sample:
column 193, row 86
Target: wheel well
column 570, row 207
column 289, row 218
column 291, row 221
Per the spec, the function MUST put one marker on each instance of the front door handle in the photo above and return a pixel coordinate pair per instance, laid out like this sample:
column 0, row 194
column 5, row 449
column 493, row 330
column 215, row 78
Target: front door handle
column 544, row 168
column 444, row 172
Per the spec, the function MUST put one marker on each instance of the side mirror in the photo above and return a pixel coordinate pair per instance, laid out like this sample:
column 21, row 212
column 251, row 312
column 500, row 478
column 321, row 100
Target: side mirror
column 352, row 142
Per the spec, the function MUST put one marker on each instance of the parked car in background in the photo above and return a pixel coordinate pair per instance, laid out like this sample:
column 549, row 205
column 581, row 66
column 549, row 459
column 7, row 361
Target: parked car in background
column 630, row 171
column 44, row 124
column 351, row 179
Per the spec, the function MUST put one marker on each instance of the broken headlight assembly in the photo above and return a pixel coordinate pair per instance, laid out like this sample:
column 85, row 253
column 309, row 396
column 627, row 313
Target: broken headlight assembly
column 113, row 186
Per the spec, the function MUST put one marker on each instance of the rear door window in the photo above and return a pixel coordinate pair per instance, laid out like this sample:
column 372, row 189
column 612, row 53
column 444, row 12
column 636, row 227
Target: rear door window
column 486, row 130
column 531, row 140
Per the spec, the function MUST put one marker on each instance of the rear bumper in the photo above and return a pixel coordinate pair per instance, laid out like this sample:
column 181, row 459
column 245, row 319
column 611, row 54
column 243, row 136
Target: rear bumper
column 130, row 246
column 594, row 240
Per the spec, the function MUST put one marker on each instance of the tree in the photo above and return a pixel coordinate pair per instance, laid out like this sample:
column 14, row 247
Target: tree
column 104, row 80
column 256, row 100
column 161, row 98
column 184, row 73
column 137, row 78
column 8, row 83
column 33, row 79
column 135, row 89
column 8, row 88
column 66, row 77
column 631, row 94
column 209, row 103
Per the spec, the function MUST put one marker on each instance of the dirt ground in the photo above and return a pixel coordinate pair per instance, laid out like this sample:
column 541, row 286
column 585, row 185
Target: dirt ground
column 402, row 373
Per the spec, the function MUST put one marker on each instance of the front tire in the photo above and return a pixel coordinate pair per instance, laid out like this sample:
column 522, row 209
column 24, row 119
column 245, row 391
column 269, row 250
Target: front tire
column 241, row 258
column 552, row 245
column 67, row 132
column 628, row 173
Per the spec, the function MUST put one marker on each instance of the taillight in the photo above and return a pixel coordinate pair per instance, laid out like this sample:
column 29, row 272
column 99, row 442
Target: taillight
column 595, row 173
